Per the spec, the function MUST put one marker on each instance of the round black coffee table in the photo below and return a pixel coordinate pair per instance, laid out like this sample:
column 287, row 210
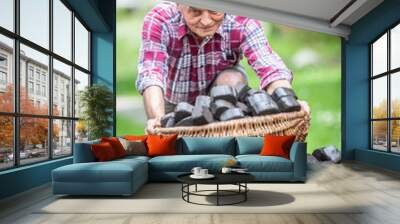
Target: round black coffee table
column 238, row 179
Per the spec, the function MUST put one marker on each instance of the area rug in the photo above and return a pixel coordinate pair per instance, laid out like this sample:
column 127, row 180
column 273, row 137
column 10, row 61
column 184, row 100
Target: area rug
column 166, row 198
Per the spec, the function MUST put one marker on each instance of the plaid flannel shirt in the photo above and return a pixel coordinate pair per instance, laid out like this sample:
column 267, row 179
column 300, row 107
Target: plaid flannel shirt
column 171, row 57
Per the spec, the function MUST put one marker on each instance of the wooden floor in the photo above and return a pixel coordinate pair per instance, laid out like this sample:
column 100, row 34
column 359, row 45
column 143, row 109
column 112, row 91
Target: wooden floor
column 377, row 188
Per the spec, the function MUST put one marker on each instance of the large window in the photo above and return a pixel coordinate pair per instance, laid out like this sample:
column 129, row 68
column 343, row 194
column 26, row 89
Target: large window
column 385, row 91
column 44, row 64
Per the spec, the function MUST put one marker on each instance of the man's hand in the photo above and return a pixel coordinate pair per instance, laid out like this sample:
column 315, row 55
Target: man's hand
column 152, row 124
column 154, row 105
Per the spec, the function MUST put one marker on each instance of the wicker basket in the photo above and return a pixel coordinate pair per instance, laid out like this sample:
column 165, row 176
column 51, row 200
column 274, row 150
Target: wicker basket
column 293, row 123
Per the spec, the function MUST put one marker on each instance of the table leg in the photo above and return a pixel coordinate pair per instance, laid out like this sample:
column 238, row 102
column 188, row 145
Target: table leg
column 245, row 193
column 182, row 189
column 188, row 190
column 217, row 194
column 196, row 187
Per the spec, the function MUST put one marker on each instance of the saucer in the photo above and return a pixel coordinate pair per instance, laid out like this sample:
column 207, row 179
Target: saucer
column 208, row 176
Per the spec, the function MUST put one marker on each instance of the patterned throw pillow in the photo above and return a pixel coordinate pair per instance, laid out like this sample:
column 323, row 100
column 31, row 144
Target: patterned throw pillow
column 134, row 147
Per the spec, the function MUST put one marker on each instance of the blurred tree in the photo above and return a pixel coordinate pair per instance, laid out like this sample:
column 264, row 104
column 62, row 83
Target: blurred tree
column 380, row 111
column 396, row 108
column 380, row 128
column 97, row 104
column 81, row 129
column 396, row 123
column 33, row 130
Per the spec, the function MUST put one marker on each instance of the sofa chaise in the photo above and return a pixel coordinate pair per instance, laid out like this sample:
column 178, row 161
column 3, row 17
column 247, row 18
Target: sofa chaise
column 125, row 176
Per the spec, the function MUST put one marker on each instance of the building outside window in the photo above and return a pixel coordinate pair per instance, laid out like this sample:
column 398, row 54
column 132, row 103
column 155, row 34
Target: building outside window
column 44, row 91
column 60, row 127
column 30, row 87
column 385, row 91
column 3, row 72
column 37, row 74
column 38, row 89
column 30, row 72
column 3, row 61
column 3, row 79
column 44, row 77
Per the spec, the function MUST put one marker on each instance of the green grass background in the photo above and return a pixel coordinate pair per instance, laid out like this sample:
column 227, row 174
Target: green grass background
column 317, row 83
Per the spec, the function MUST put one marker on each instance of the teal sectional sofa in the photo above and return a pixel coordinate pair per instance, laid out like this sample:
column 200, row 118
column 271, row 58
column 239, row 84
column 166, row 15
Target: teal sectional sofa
column 125, row 176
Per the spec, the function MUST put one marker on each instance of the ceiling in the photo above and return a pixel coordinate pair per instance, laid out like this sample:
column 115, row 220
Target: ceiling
column 327, row 16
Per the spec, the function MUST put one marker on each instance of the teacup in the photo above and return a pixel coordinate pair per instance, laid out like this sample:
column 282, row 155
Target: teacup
column 203, row 172
column 196, row 171
column 226, row 170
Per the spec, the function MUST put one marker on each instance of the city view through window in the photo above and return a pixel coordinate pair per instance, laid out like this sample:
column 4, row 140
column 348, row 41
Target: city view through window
column 385, row 82
column 39, row 113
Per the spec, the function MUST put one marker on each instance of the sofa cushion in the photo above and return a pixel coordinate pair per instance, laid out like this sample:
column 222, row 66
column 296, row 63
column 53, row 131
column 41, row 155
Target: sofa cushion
column 133, row 158
column 185, row 163
column 249, row 145
column 209, row 145
column 257, row 163
column 112, row 171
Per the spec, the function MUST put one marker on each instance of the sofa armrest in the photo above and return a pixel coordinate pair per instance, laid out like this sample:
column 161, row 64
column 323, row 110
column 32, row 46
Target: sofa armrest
column 298, row 155
column 83, row 152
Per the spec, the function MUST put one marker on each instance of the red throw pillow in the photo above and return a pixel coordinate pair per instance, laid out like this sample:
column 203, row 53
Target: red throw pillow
column 277, row 146
column 116, row 145
column 103, row 152
column 160, row 145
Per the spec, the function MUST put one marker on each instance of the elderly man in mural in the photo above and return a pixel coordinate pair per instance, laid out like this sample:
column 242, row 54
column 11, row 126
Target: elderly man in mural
column 187, row 50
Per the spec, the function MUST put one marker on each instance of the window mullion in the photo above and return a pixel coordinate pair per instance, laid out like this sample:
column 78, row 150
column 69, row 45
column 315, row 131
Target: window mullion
column 16, row 84
column 389, row 104
column 73, row 82
column 50, row 81
column 371, row 137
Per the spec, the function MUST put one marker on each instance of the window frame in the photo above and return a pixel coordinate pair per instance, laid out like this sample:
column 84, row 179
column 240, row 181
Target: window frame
column 16, row 114
column 388, row 74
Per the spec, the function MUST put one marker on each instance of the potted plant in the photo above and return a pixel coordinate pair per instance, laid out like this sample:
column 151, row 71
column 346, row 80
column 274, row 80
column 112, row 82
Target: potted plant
column 96, row 102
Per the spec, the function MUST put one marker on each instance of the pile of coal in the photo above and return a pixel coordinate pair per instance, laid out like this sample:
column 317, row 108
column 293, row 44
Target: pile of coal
column 228, row 103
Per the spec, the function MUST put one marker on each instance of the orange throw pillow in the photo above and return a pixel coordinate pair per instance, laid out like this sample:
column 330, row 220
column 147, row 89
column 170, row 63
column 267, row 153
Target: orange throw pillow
column 277, row 146
column 103, row 152
column 116, row 145
column 161, row 145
